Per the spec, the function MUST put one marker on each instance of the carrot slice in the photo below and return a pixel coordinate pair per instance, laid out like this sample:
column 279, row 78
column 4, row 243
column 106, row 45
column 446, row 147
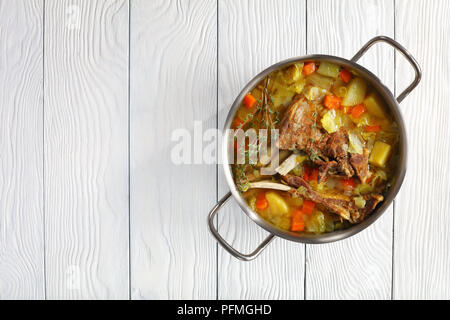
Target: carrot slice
column 358, row 110
column 373, row 128
column 249, row 101
column 348, row 183
column 345, row 75
column 297, row 223
column 308, row 206
column 314, row 174
column 310, row 174
column 332, row 102
column 346, row 109
column 238, row 122
column 261, row 202
column 309, row 68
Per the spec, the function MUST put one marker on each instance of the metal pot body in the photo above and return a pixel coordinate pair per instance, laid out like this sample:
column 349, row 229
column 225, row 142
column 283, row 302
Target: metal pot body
column 391, row 102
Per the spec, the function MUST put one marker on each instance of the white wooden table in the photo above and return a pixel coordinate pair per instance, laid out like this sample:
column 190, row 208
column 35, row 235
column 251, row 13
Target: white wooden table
column 91, row 206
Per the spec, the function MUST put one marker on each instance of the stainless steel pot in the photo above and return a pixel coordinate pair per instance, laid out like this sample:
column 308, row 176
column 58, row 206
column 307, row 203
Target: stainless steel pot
column 393, row 105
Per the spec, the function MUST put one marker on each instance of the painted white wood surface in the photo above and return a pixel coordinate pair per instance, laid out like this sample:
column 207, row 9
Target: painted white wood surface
column 358, row 267
column 69, row 151
column 173, row 85
column 21, row 206
column 422, row 238
column 86, row 149
column 252, row 36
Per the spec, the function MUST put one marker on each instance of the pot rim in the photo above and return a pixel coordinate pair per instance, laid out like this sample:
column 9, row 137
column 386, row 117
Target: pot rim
column 394, row 109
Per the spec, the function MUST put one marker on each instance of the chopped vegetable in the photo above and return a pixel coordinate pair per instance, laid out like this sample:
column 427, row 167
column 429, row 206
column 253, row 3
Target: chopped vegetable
column 363, row 188
column 328, row 69
column 348, row 183
column 310, row 174
column 320, row 81
column 281, row 94
column 380, row 153
column 316, row 223
column 332, row 102
column 276, row 203
column 249, row 101
column 298, row 86
column 297, row 223
column 261, row 202
column 379, row 176
column 358, row 110
column 252, row 203
column 355, row 144
column 309, row 68
column 356, row 90
column 373, row 128
column 330, row 121
column 359, row 202
column 238, row 123
column 345, row 75
column 339, row 88
column 314, row 93
column 346, row 109
column 308, row 207
column 292, row 73
column 374, row 105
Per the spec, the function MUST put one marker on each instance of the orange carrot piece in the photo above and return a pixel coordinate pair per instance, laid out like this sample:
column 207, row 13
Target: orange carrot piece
column 345, row 75
column 358, row 110
column 309, row 68
column 373, row 128
column 308, row 206
column 332, row 102
column 249, row 101
column 314, row 174
column 238, row 122
column 348, row 183
column 297, row 223
column 261, row 202
column 346, row 109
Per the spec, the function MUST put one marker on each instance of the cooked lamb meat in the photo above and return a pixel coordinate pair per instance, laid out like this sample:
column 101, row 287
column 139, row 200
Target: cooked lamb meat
column 360, row 163
column 326, row 168
column 337, row 147
column 298, row 129
column 337, row 203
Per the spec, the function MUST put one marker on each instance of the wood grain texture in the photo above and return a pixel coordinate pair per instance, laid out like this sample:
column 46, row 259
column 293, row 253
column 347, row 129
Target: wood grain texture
column 252, row 36
column 422, row 239
column 359, row 267
column 173, row 86
column 21, row 206
column 86, row 149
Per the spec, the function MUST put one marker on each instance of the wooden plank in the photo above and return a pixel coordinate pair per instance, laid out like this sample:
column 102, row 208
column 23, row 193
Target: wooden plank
column 422, row 242
column 173, row 86
column 86, row 149
column 252, row 36
column 21, row 206
column 358, row 267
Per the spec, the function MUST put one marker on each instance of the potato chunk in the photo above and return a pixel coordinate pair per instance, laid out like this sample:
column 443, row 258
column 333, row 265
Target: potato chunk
column 380, row 154
column 329, row 69
column 277, row 204
column 356, row 90
column 374, row 105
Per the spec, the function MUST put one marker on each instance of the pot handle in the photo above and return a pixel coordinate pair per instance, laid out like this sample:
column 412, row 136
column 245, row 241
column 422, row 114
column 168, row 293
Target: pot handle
column 224, row 244
column 405, row 53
